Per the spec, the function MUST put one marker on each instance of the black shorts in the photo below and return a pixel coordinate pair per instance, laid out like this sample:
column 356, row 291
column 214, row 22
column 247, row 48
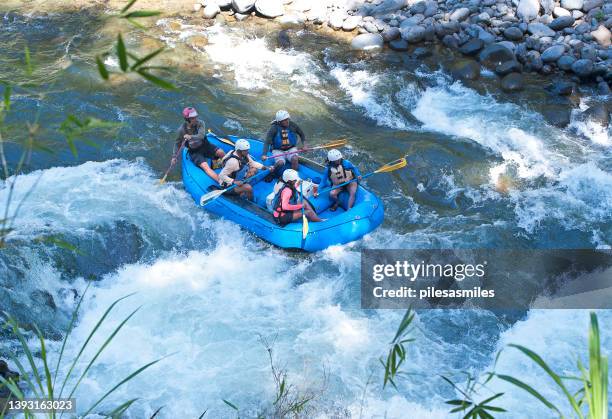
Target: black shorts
column 203, row 153
column 285, row 218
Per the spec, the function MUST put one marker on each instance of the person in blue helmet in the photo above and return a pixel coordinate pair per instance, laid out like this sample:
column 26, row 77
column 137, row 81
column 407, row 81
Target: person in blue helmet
column 337, row 171
column 282, row 137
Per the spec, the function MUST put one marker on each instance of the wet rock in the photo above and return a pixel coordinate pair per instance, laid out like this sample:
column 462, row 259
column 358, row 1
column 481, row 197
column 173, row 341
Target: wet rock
column 460, row 14
column 399, row 45
column 528, row 9
column 539, row 30
column 582, row 28
column 450, row 42
column 513, row 33
column 588, row 53
column 510, row 45
column 243, row 6
column 390, row 34
column 418, row 8
column 197, row 41
column 561, row 23
column 591, row 4
column 430, row 9
column 472, row 46
column 211, row 10
column 465, row 70
column 603, row 88
column 370, row 27
column 560, row 11
column 561, row 88
column 598, row 113
column 446, row 28
column 558, row 116
column 367, row 42
column 411, row 21
column 513, row 82
column 565, row 62
column 602, row 36
column 388, row 6
column 553, row 53
column 351, row 23
column 533, row 61
column 413, row 34
column 484, row 18
column 494, row 55
column 572, row 4
column 283, row 40
column 508, row 67
column 583, row 67
column 270, row 8
column 421, row 52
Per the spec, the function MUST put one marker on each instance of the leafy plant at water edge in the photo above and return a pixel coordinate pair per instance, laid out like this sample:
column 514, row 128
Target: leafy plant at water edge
column 397, row 353
column 45, row 384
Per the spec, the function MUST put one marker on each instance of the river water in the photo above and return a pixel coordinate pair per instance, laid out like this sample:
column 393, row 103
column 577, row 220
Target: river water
column 485, row 171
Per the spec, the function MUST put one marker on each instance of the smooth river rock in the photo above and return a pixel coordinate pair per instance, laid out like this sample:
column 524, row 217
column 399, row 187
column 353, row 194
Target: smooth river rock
column 413, row 34
column 561, row 22
column 513, row 82
column 367, row 42
column 494, row 55
column 270, row 8
column 399, row 45
column 528, row 9
column 565, row 62
column 459, row 14
column 508, row 67
column 513, row 33
column 557, row 115
column 572, row 4
column 583, row 67
column 472, row 46
column 242, row 6
column 591, row 4
column 553, row 53
column 351, row 23
column 602, row 36
column 540, row 30
column 211, row 10
column 465, row 70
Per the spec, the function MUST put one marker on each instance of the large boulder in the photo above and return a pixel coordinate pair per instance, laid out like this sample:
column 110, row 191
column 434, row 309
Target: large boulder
column 583, row 67
column 557, row 115
column 243, row 6
column 460, row 14
column 602, row 36
column 513, row 33
column 367, row 42
column 508, row 67
column 269, row 8
column 561, row 22
column 494, row 55
column 465, row 70
column 572, row 4
column 413, row 34
column 598, row 113
column 528, row 9
column 513, row 82
column 553, row 53
column 540, row 30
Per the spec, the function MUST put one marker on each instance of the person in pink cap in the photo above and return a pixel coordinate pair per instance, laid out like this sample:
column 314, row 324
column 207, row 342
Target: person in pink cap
column 193, row 133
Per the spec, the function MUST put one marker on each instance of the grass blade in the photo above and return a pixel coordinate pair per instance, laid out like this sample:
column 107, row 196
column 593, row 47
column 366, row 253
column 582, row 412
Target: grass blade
column 102, row 68
column 164, row 84
column 146, row 58
column 530, row 390
column 121, row 53
column 141, row 13
column 127, row 6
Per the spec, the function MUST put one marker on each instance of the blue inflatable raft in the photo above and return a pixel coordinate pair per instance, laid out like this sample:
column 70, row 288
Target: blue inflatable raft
column 339, row 228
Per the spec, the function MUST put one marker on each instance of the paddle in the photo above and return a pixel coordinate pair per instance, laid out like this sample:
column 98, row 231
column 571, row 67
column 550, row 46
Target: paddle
column 173, row 162
column 304, row 219
column 331, row 144
column 223, row 140
column 389, row 167
column 205, row 199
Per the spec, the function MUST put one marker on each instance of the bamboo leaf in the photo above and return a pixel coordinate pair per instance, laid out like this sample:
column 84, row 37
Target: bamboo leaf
column 127, row 6
column 149, row 57
column 156, row 412
column 230, row 404
column 141, row 13
column 530, row 390
column 156, row 80
column 7, row 96
column 102, row 68
column 116, row 413
column 121, row 53
column 28, row 61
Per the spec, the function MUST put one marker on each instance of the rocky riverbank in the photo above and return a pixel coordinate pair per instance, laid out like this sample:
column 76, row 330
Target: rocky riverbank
column 508, row 36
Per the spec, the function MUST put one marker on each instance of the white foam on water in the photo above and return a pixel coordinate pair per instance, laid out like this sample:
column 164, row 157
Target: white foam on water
column 74, row 200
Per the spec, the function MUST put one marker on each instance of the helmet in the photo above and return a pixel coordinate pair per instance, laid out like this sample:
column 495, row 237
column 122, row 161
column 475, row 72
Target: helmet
column 334, row 155
column 189, row 112
column 290, row 175
column 281, row 116
column 242, row 144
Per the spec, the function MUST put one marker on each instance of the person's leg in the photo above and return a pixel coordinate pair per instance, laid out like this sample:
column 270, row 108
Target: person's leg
column 210, row 172
column 294, row 162
column 310, row 213
column 352, row 190
column 333, row 195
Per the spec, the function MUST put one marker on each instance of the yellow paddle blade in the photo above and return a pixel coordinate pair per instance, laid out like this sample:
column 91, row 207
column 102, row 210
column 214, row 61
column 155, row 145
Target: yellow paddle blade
column 304, row 227
column 341, row 142
column 223, row 140
column 205, row 199
column 394, row 165
column 162, row 180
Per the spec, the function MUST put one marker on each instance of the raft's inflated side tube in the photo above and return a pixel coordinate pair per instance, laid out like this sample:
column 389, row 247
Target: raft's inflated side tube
column 341, row 227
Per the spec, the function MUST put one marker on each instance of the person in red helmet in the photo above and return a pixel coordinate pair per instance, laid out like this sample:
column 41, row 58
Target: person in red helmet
column 193, row 133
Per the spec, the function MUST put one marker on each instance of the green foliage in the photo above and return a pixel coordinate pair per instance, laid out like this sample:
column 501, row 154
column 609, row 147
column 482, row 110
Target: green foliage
column 600, row 15
column 75, row 129
column 397, row 353
column 42, row 382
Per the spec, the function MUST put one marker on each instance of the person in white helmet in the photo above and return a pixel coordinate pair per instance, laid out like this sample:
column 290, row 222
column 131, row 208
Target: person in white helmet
column 287, row 207
column 338, row 171
column 282, row 137
column 192, row 133
column 237, row 166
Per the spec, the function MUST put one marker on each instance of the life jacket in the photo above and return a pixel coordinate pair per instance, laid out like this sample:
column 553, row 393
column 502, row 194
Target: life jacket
column 339, row 174
column 284, row 139
column 243, row 165
column 193, row 143
column 278, row 202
